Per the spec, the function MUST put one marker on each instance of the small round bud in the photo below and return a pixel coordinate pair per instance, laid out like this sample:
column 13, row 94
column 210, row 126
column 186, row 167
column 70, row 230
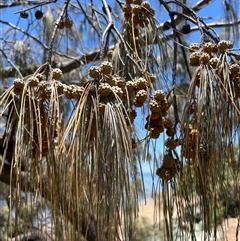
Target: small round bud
column 194, row 47
column 214, row 62
column 154, row 106
column 104, row 89
column 141, row 95
column 94, row 72
column 140, row 83
column 38, row 14
column 204, row 58
column 118, row 91
column 106, row 67
column 68, row 23
column 33, row 81
column 57, row 73
column 24, row 14
column 186, row 29
column 195, row 58
column 159, row 95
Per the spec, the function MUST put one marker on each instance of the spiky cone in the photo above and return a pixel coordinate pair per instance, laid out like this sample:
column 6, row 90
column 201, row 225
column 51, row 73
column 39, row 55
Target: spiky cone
column 127, row 9
column 186, row 29
column 140, row 83
column 129, row 119
column 168, row 161
column 137, row 103
column 106, row 68
column 38, row 14
column 166, row 26
column 119, row 81
column 151, row 77
column 56, row 73
column 137, row 2
column 47, row 92
column 141, row 95
column 164, row 173
column 130, row 86
column 77, row 92
column 18, row 86
column 150, row 124
column 68, row 92
column 132, row 113
column 155, row 132
column 160, row 122
column 68, row 23
column 60, row 87
column 153, row 116
column 171, row 131
column 94, row 72
column 159, row 95
column 214, row 62
column 24, row 14
column 164, row 105
column 136, row 9
column 116, row 91
column 171, row 144
column 154, row 106
column 194, row 47
column 125, row 97
column 42, row 85
column 234, row 69
column 19, row 83
column 168, row 123
column 223, row 45
column 204, row 58
column 147, row 8
column 195, row 58
column 32, row 81
column 153, row 123
column 109, row 79
column 39, row 76
column 104, row 89
column 208, row 47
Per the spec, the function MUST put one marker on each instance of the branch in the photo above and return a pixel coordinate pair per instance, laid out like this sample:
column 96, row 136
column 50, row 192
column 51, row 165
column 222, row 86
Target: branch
column 68, row 66
column 34, row 3
column 55, row 31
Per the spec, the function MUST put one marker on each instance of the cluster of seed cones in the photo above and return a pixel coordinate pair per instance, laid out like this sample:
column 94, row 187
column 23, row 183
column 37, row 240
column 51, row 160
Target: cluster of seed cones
column 213, row 55
column 168, row 168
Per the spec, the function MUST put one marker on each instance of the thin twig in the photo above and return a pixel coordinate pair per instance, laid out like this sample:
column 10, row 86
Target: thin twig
column 174, row 67
column 55, row 31
column 11, row 63
column 37, row 5
column 108, row 28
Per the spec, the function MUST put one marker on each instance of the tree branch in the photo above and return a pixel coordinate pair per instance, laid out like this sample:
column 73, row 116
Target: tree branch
column 68, row 66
